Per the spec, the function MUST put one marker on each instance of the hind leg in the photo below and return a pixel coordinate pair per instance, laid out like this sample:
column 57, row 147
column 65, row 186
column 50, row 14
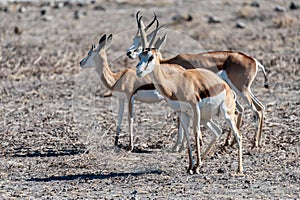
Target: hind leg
column 217, row 133
column 239, row 114
column 260, row 112
column 229, row 117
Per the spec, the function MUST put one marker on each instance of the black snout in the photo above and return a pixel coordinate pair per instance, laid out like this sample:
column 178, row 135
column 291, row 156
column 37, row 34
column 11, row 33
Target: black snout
column 129, row 54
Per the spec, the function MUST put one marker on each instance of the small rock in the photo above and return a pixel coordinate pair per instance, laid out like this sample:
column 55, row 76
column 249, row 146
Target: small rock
column 17, row 30
column 22, row 9
column 214, row 20
column 293, row 6
column 47, row 18
column 4, row 9
column 255, row 4
column 99, row 7
column 180, row 18
column 78, row 14
column 279, row 9
column 221, row 171
column 134, row 192
column 43, row 11
column 59, row 5
column 240, row 25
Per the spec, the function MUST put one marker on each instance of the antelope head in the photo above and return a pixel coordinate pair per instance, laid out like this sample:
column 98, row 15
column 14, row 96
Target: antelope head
column 135, row 49
column 150, row 53
column 92, row 59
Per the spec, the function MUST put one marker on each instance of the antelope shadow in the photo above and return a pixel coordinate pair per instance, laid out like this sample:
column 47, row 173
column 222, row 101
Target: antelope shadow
column 92, row 176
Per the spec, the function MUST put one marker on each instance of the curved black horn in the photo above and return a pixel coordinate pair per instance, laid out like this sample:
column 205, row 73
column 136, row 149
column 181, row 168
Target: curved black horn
column 154, row 35
column 137, row 16
column 143, row 34
column 150, row 24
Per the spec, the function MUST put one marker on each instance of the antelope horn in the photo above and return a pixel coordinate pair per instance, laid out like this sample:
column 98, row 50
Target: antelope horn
column 154, row 34
column 143, row 34
column 150, row 24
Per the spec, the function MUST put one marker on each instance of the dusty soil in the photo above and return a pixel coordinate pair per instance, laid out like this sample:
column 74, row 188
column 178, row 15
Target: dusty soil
column 57, row 130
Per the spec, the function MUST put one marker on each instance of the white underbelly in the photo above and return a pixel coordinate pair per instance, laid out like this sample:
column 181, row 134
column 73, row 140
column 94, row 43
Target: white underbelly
column 148, row 96
column 209, row 107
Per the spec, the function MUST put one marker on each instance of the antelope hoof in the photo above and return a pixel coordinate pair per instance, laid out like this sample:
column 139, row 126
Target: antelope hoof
column 176, row 148
column 130, row 148
column 190, row 171
column 240, row 171
column 196, row 170
column 116, row 141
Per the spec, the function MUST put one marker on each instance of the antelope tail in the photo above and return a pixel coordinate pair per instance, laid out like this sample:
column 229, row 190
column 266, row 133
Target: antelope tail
column 258, row 64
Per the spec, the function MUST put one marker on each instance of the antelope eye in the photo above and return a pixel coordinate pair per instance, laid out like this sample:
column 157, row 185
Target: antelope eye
column 150, row 58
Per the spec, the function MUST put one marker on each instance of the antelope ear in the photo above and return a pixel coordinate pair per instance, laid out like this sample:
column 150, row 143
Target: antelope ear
column 102, row 42
column 108, row 41
column 160, row 42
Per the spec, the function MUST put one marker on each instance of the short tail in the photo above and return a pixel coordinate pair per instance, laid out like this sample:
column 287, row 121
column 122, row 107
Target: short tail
column 266, row 84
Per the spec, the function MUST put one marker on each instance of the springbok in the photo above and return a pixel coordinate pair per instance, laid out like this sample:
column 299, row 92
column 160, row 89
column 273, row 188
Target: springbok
column 197, row 93
column 236, row 68
column 125, row 85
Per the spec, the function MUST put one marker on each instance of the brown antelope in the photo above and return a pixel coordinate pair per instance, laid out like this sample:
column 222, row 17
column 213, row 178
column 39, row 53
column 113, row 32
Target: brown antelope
column 197, row 93
column 125, row 85
column 236, row 68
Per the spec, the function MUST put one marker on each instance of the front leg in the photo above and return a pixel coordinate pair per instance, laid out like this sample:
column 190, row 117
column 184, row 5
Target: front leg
column 185, row 120
column 130, row 120
column 120, row 118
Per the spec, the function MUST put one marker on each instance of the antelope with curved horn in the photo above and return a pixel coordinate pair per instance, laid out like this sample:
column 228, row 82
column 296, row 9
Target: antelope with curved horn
column 125, row 85
column 237, row 69
column 196, row 93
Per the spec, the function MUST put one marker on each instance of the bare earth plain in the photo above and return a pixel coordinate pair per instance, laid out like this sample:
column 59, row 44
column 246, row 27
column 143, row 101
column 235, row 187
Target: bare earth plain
column 57, row 128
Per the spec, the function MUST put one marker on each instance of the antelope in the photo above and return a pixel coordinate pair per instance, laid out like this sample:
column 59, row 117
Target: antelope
column 236, row 68
column 197, row 93
column 125, row 85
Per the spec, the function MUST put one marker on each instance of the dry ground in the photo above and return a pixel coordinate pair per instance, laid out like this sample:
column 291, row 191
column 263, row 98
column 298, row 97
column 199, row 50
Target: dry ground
column 57, row 131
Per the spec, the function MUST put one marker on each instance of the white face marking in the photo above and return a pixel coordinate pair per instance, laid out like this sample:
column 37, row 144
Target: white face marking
column 88, row 61
column 146, row 64
column 135, row 49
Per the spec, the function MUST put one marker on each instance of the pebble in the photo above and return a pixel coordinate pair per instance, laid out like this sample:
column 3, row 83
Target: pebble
column 221, row 171
column 293, row 6
column 255, row 4
column 214, row 20
column 99, row 7
column 59, row 5
column 47, row 18
column 43, row 11
column 78, row 14
column 22, row 9
column 240, row 25
column 17, row 30
column 279, row 9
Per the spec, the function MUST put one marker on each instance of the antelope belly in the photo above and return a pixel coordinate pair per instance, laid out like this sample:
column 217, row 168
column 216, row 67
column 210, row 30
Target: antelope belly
column 209, row 107
column 148, row 96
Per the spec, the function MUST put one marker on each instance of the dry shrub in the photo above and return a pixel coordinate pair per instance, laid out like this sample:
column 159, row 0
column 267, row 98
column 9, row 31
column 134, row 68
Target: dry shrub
column 283, row 21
